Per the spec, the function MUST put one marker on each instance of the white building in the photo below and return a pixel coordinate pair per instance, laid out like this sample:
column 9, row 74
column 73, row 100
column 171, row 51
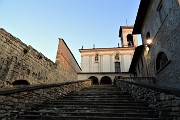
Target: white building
column 117, row 59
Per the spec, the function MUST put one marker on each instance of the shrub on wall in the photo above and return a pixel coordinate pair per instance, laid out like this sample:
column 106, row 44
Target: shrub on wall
column 26, row 50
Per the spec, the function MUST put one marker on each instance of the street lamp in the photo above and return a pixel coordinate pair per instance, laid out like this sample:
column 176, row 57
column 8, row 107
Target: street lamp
column 149, row 42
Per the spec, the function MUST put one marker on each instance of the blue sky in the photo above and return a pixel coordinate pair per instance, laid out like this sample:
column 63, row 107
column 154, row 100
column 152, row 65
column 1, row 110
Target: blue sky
column 40, row 23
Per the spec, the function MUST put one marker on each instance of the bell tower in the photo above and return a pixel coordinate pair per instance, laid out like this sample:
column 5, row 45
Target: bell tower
column 127, row 38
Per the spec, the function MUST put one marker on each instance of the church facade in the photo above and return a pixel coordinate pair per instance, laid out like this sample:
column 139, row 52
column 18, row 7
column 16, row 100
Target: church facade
column 109, row 60
column 115, row 59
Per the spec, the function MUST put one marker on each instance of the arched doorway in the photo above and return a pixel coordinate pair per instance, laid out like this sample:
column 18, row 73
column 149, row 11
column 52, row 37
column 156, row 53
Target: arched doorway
column 20, row 82
column 106, row 81
column 94, row 80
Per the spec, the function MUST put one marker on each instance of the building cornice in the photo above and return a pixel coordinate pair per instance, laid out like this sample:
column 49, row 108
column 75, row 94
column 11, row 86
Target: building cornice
column 124, row 27
column 137, row 54
column 107, row 49
column 143, row 7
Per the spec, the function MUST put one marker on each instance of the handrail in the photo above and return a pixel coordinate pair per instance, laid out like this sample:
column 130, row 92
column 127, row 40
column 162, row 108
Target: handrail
column 163, row 89
column 34, row 87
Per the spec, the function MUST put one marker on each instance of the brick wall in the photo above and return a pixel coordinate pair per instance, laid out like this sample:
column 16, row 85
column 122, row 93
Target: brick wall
column 19, row 61
column 66, row 61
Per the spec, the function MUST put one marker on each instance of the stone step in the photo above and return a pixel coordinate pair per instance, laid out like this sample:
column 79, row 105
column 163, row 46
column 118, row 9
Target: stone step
column 63, row 110
column 102, row 114
column 92, row 106
column 99, row 96
column 95, row 103
column 83, row 118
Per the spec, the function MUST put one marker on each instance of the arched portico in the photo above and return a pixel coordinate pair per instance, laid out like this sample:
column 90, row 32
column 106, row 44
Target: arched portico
column 94, row 80
column 106, row 80
column 99, row 76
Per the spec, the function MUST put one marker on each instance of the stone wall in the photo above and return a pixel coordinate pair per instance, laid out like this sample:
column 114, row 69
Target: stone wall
column 66, row 62
column 167, row 40
column 165, row 35
column 158, row 98
column 21, row 62
column 13, row 101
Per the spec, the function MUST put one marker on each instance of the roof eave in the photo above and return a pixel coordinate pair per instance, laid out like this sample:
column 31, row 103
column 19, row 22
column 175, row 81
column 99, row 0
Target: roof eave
column 124, row 27
column 137, row 53
column 143, row 7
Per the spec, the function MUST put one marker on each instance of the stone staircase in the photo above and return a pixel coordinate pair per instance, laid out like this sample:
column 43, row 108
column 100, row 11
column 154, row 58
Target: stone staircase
column 94, row 103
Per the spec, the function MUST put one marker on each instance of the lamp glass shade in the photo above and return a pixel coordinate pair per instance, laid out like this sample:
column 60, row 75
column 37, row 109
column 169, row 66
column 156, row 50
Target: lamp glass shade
column 149, row 41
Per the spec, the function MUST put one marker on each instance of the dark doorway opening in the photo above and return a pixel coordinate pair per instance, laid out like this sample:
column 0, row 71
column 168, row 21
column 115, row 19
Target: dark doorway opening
column 94, row 80
column 106, row 81
column 20, row 82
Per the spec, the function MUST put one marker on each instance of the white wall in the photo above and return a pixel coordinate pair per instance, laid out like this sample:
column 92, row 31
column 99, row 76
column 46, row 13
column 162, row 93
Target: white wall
column 85, row 64
column 126, row 62
column 106, row 63
column 96, row 67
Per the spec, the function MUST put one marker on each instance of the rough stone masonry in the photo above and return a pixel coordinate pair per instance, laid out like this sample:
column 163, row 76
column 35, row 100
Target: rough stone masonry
column 21, row 62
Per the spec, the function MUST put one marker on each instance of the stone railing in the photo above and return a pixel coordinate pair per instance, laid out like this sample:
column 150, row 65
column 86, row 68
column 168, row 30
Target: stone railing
column 16, row 100
column 165, row 100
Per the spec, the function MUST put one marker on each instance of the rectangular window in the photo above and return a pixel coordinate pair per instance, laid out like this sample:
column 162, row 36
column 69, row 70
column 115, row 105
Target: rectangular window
column 117, row 67
column 96, row 58
column 161, row 11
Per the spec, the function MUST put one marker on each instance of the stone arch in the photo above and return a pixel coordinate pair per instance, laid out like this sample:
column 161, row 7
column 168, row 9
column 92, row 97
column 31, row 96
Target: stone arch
column 106, row 80
column 20, row 82
column 130, row 40
column 94, row 80
column 161, row 60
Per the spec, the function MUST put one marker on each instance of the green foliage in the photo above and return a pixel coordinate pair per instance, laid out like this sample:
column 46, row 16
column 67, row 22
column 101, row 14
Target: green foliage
column 26, row 50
